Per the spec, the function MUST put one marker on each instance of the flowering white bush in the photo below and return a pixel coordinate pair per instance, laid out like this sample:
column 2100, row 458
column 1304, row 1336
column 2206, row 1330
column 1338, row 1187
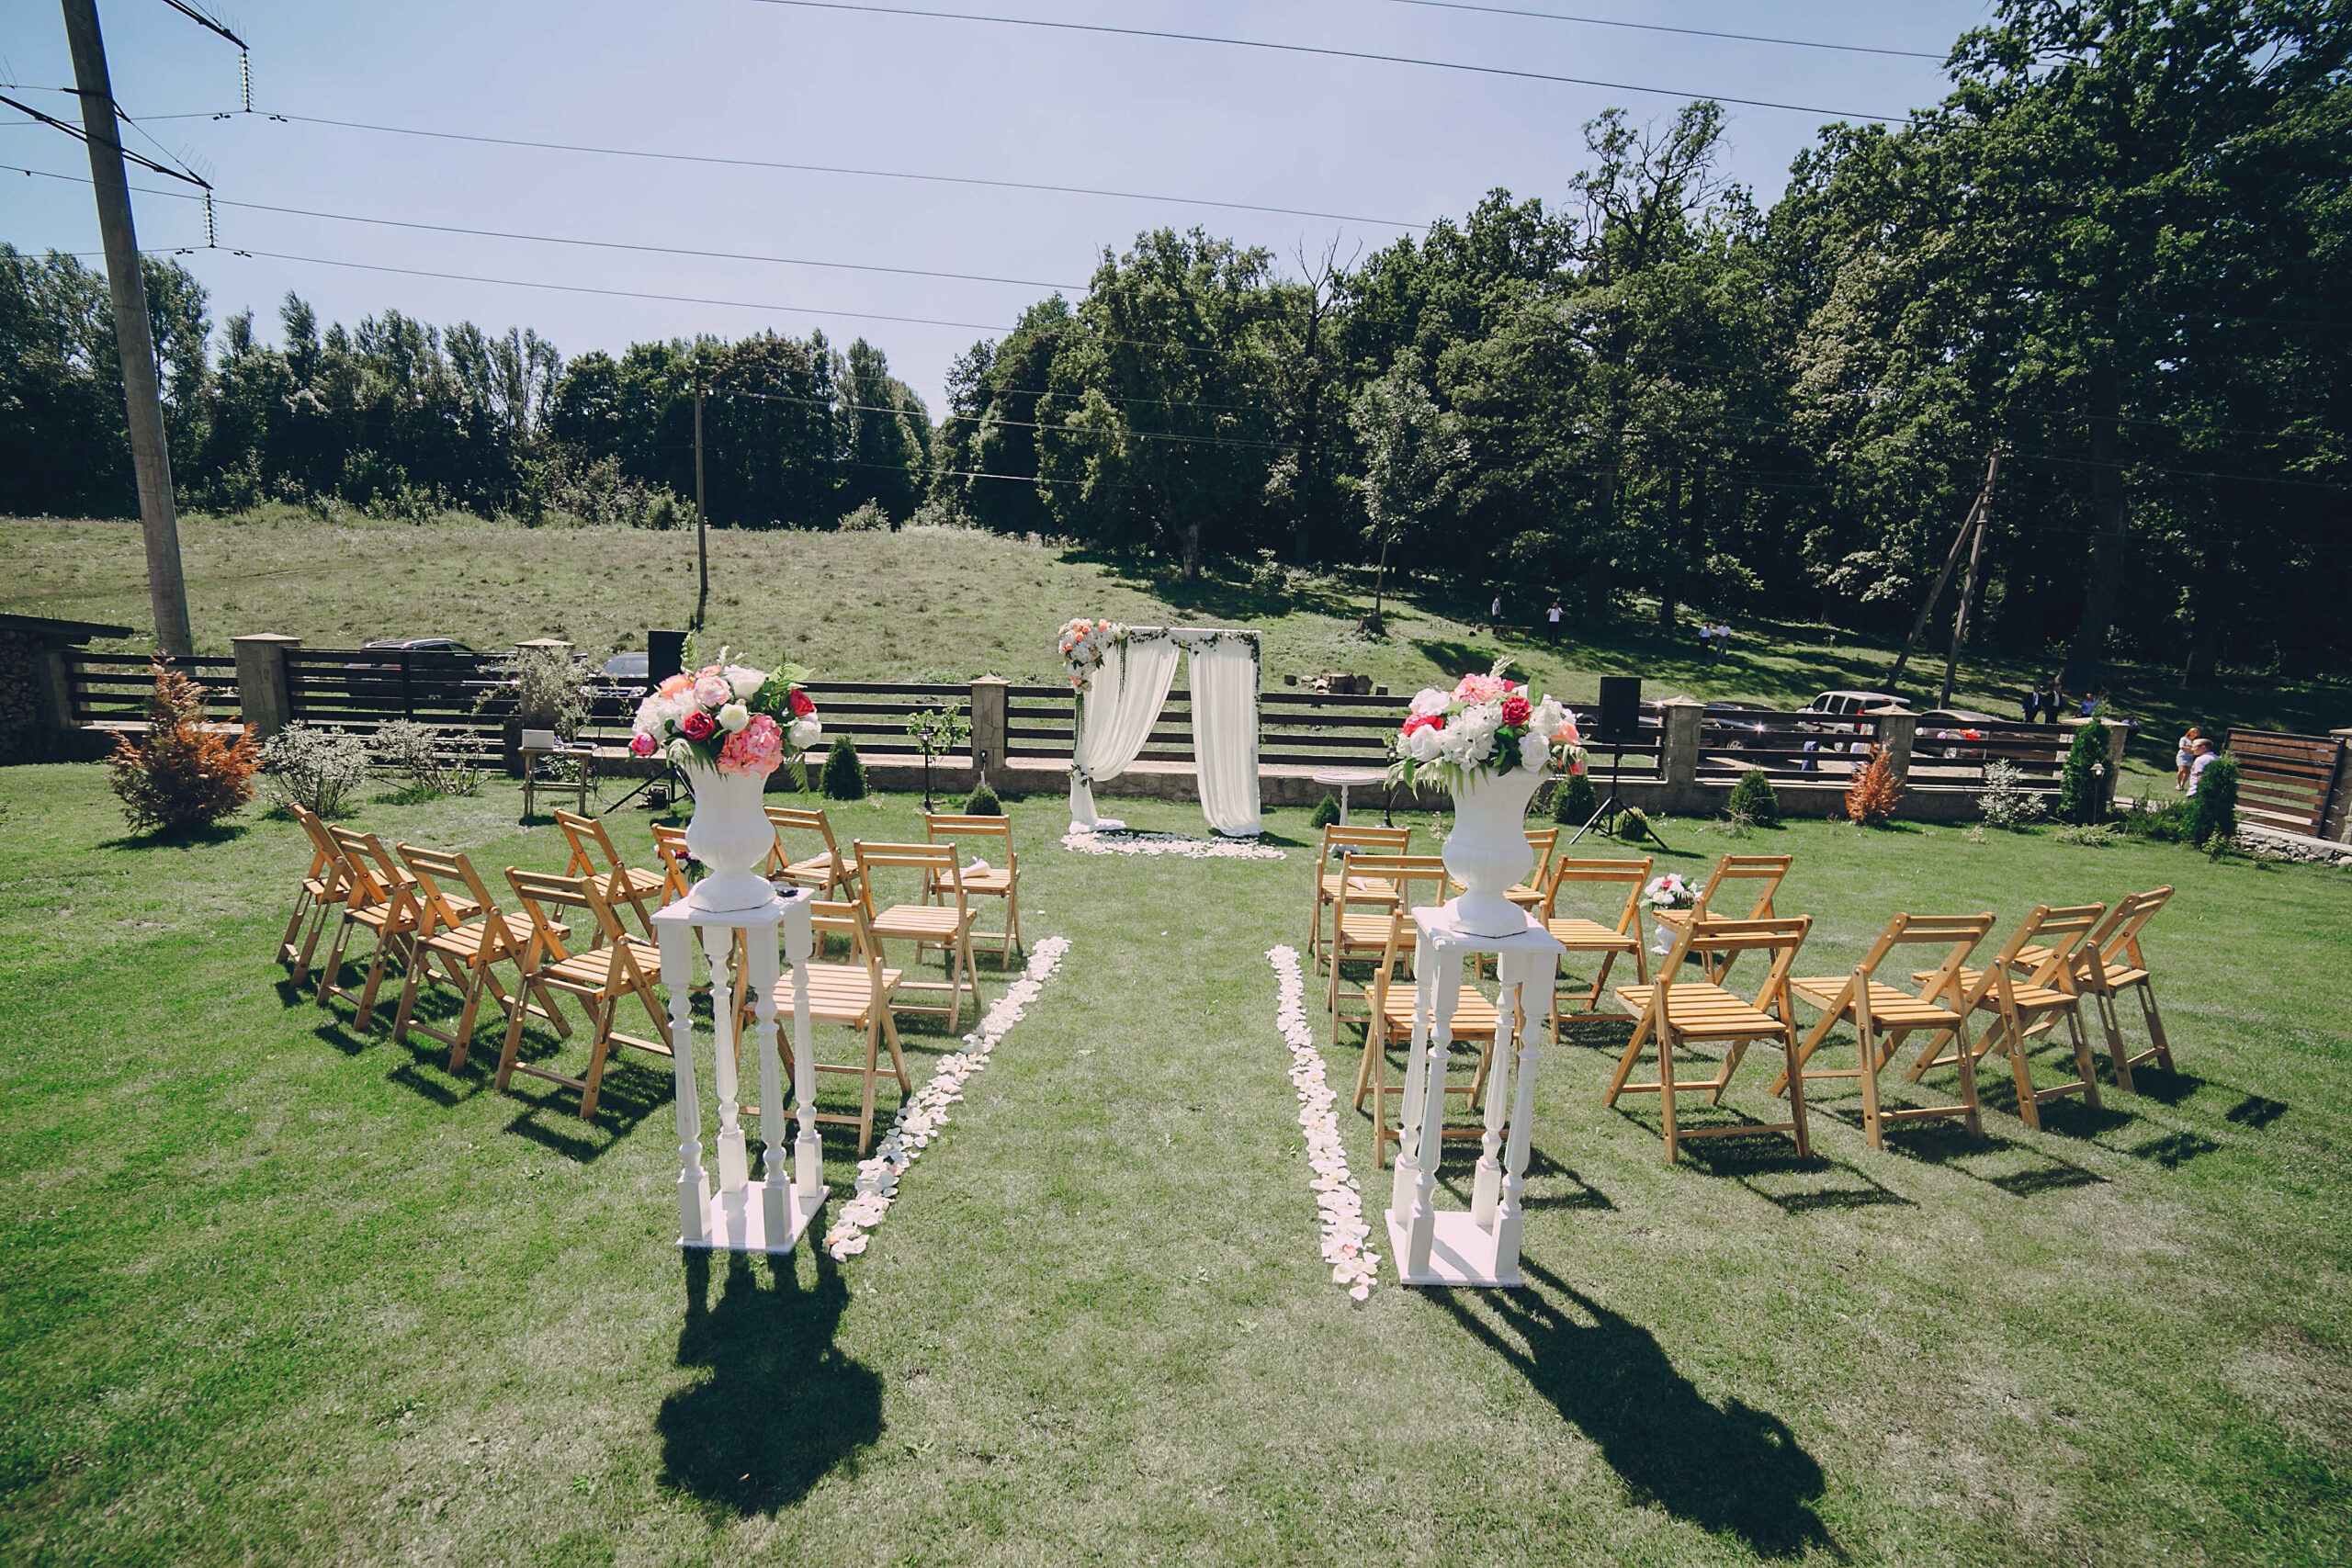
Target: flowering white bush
column 315, row 769
column 1484, row 726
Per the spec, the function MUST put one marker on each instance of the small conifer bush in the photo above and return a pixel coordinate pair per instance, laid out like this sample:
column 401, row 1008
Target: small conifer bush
column 2082, row 780
column 983, row 802
column 2213, row 810
column 1327, row 813
column 1754, row 798
column 845, row 776
column 180, row 776
column 1572, row 800
column 1871, row 799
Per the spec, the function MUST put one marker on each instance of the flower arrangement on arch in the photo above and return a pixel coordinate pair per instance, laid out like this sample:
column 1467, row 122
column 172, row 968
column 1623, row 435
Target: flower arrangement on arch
column 1084, row 643
column 1485, row 727
column 729, row 717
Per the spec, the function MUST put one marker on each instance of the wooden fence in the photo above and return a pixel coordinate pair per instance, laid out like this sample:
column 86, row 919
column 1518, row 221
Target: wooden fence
column 111, row 689
column 2284, row 781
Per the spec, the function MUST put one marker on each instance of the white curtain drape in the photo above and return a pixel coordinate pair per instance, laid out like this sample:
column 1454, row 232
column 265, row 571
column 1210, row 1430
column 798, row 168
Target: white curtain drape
column 1123, row 701
column 1225, row 735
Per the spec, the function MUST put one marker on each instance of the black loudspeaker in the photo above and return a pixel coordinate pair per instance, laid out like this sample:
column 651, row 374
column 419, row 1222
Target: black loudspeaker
column 665, row 654
column 1621, row 708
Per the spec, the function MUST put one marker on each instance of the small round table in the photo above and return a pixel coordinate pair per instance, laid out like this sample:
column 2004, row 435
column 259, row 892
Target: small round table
column 1342, row 778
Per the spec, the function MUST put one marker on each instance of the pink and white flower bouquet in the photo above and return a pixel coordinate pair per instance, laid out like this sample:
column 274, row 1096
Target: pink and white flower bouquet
column 1084, row 643
column 1485, row 727
column 1672, row 891
column 731, row 717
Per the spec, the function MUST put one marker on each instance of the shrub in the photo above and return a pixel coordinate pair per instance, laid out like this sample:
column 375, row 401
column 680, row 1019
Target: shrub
column 1268, row 579
column 983, row 802
column 315, row 769
column 1327, row 813
column 2171, row 823
column 180, row 776
column 428, row 757
column 1572, row 800
column 2082, row 780
column 2213, row 810
column 2005, row 801
column 845, row 775
column 2089, row 835
column 1633, row 826
column 1754, row 798
column 544, row 689
column 870, row 518
column 1871, row 799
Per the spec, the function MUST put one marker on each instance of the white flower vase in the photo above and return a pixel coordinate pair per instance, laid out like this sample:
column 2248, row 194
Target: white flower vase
column 1488, row 851
column 731, row 836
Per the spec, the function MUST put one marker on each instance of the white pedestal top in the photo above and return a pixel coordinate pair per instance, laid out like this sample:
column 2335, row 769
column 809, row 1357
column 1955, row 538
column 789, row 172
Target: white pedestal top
column 1437, row 928
column 684, row 913
column 1345, row 776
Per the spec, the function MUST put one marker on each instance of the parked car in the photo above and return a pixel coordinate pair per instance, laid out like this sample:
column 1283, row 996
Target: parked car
column 1834, row 705
column 1954, row 734
column 637, row 665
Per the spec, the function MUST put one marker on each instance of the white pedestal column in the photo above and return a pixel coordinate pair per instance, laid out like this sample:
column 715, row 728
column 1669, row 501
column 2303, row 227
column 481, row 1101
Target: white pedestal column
column 1480, row 1248
column 744, row 1215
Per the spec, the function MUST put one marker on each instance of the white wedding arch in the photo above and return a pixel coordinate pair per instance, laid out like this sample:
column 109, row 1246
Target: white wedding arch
column 1121, row 702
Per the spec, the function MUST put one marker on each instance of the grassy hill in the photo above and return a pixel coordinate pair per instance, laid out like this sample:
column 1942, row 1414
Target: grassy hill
column 945, row 605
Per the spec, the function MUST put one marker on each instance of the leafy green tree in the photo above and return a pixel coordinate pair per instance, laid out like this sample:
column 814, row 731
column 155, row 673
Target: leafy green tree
column 1409, row 451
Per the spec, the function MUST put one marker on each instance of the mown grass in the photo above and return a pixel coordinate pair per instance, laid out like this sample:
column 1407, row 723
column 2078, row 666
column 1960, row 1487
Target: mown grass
column 941, row 604
column 278, row 1292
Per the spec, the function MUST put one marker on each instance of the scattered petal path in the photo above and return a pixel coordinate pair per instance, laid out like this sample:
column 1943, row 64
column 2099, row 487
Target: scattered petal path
column 1125, row 842
column 1344, row 1230
column 922, row 1117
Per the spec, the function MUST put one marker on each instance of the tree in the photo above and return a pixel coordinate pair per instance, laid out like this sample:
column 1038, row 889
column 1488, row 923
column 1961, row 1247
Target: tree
column 1409, row 450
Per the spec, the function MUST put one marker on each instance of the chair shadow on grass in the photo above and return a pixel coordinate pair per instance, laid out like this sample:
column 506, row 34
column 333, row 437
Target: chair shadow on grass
column 781, row 1407
column 1729, row 1468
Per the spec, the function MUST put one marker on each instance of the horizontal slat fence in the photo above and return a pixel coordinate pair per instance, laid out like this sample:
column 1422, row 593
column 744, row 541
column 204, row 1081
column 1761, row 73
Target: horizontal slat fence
column 874, row 713
column 1797, row 747
column 112, row 688
column 2284, row 780
column 1641, row 760
column 1957, row 754
column 1312, row 729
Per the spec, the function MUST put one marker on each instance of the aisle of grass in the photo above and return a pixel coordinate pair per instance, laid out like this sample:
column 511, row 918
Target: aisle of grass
column 278, row 1292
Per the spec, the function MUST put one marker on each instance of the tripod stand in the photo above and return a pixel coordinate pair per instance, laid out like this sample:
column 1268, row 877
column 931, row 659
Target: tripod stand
column 1612, row 805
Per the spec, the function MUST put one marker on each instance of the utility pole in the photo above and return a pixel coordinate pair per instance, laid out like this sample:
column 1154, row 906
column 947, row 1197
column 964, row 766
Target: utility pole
column 1968, row 526
column 1975, row 574
column 702, row 517
column 134, row 335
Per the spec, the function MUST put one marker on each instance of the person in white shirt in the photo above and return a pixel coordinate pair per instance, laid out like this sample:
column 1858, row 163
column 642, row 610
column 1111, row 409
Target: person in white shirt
column 1552, row 616
column 2201, row 759
column 1495, row 614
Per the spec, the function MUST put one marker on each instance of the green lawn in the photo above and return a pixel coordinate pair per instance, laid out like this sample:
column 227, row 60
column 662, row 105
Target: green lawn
column 935, row 604
column 276, row 1291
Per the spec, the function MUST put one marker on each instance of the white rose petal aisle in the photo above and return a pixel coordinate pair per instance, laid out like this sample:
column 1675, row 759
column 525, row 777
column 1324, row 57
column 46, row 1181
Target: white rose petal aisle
column 920, row 1120
column 1344, row 1230
column 1128, row 841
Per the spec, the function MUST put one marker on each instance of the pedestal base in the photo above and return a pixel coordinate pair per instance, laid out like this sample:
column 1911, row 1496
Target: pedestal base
column 1459, row 1254
column 737, row 1222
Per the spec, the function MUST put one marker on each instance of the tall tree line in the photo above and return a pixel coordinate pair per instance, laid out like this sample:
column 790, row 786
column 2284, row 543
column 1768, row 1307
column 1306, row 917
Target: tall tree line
column 399, row 415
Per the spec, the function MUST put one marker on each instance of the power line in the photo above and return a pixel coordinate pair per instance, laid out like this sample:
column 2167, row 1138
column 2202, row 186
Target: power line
column 1328, row 52
column 78, row 134
column 1661, row 28
column 595, row 244
column 852, row 172
column 202, row 20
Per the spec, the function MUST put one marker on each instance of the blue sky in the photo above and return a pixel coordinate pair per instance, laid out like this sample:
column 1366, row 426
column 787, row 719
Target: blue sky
column 742, row 79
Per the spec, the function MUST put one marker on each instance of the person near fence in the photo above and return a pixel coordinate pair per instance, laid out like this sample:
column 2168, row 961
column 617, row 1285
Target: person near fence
column 2183, row 755
column 2201, row 758
column 2036, row 697
column 2057, row 704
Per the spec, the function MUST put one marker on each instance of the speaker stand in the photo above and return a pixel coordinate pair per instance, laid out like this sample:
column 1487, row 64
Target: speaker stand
column 1610, row 807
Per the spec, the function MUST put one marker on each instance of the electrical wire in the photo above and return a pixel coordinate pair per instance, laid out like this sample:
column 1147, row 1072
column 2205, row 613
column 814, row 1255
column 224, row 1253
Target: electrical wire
column 1328, row 52
column 78, row 134
column 1662, row 27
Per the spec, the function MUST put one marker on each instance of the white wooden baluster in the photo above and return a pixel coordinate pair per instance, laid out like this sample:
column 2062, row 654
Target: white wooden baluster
column 775, row 1187
column 1509, row 1020
column 1407, row 1173
column 808, row 1150
column 734, row 1165
column 1432, row 1148
column 677, row 977
column 1539, row 974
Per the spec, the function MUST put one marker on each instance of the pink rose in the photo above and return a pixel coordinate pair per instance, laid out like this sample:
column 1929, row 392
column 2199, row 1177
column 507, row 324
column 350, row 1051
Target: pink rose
column 643, row 744
column 711, row 690
column 675, row 685
column 697, row 726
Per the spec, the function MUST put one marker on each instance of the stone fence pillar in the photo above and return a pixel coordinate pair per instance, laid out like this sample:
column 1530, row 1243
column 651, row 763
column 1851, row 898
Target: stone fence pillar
column 1898, row 729
column 263, row 695
column 2338, row 826
column 1680, row 719
column 988, row 728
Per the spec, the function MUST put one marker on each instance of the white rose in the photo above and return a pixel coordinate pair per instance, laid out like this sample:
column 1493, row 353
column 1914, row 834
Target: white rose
column 734, row 717
column 1431, row 701
column 804, row 733
column 745, row 680
column 1532, row 752
column 1422, row 744
column 1549, row 716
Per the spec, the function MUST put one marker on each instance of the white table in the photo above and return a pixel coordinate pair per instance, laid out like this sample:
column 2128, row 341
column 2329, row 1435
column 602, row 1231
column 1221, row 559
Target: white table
column 743, row 1215
column 1340, row 778
column 1480, row 1248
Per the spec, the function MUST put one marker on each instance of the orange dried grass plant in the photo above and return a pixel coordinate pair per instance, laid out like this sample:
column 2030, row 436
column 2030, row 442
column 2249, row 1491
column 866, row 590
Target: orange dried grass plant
column 180, row 774
column 1871, row 797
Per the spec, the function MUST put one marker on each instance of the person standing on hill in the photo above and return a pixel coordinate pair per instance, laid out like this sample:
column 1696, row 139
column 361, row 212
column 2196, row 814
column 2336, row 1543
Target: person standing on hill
column 1495, row 616
column 2201, row 758
column 1552, row 615
column 2034, row 699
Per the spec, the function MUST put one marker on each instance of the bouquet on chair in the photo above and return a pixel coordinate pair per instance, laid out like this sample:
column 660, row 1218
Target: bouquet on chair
column 1671, row 891
column 1084, row 643
column 1485, row 726
column 729, row 717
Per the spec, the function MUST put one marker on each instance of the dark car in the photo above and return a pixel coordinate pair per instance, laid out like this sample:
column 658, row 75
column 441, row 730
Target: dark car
column 419, row 645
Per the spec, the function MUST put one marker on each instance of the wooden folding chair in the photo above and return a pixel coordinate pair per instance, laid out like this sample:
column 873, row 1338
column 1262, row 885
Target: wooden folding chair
column 623, row 886
column 1371, row 892
column 983, row 881
column 379, row 897
column 1765, row 869
column 670, row 844
column 1681, row 1014
column 600, row 977
column 945, row 925
column 856, row 996
column 1883, row 1016
column 2026, row 1007
column 1388, row 1006
column 1329, row 884
column 2111, row 964
column 466, row 947
column 321, row 889
column 1579, row 935
column 829, row 872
